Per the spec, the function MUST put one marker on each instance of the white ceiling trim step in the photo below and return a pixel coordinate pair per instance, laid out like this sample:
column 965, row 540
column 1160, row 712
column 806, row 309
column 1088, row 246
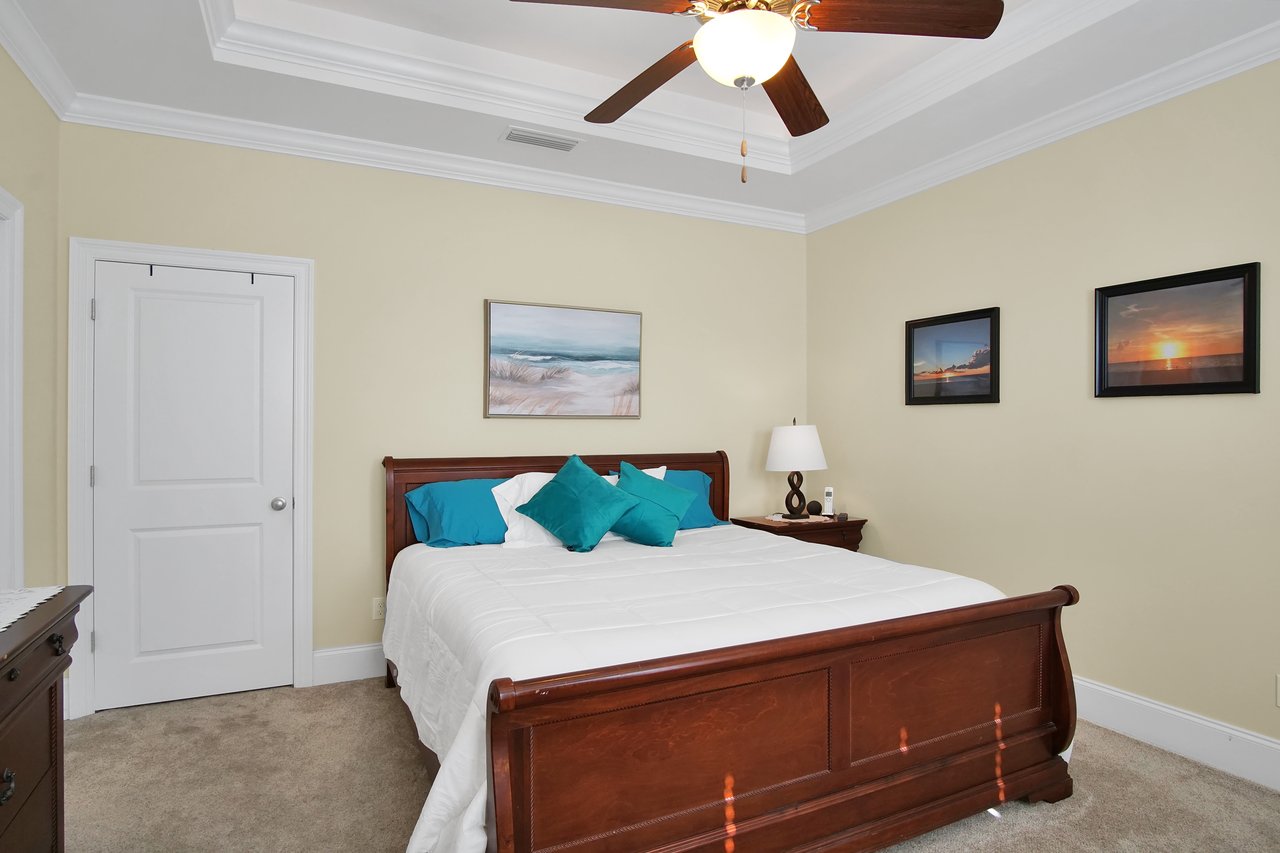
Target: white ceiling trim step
column 1032, row 28
column 317, row 44
column 241, row 133
column 20, row 39
column 1210, row 66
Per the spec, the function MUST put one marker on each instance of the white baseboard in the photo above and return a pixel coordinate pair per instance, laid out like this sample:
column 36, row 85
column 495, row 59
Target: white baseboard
column 349, row 663
column 1232, row 750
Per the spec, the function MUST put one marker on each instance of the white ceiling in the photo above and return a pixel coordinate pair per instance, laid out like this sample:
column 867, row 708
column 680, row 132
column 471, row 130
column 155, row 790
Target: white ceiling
column 429, row 87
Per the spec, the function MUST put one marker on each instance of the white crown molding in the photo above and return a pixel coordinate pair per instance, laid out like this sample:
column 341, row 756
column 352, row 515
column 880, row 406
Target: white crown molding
column 1227, row 748
column 202, row 127
column 1034, row 27
column 1210, row 66
column 333, row 47
column 20, row 39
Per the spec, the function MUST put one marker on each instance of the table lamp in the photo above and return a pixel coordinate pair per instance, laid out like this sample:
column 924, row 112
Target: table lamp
column 795, row 449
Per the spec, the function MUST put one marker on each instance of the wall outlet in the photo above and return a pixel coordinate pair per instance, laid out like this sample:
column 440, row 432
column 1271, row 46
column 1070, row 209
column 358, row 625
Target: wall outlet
column 379, row 609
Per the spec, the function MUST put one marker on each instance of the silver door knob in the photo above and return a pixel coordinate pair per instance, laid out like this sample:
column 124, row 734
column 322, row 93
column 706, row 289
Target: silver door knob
column 278, row 504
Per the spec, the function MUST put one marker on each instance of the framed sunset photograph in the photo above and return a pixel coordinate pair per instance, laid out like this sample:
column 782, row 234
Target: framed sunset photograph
column 555, row 361
column 954, row 358
column 1195, row 333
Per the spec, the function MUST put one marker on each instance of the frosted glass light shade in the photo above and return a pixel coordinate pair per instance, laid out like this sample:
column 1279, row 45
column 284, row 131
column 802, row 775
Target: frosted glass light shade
column 747, row 43
column 795, row 448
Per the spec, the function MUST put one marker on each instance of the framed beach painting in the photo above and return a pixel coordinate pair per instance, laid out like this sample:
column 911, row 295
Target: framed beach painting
column 954, row 358
column 553, row 361
column 1195, row 333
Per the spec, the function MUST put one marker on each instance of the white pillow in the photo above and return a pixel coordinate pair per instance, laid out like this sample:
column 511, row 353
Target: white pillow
column 522, row 531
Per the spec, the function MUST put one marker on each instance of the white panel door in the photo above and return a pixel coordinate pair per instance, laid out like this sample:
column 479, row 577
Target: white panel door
column 192, row 500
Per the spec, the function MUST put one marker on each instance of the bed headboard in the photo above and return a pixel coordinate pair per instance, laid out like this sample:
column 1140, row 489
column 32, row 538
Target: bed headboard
column 404, row 475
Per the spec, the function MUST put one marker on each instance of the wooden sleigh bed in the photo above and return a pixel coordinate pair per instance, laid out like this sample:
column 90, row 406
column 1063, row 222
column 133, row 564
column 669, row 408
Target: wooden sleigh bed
column 848, row 739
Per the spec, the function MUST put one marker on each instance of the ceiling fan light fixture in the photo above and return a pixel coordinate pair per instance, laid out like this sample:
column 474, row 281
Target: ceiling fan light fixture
column 747, row 45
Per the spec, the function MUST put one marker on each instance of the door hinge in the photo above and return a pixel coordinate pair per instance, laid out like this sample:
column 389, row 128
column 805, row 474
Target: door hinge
column 93, row 309
column 93, row 640
column 93, row 476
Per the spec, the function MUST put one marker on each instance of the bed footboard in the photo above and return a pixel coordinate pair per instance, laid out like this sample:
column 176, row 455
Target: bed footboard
column 851, row 739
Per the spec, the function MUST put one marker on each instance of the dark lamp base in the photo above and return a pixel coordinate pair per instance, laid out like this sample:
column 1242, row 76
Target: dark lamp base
column 795, row 497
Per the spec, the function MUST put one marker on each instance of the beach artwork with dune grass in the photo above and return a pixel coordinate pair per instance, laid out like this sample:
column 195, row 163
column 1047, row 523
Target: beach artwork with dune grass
column 553, row 361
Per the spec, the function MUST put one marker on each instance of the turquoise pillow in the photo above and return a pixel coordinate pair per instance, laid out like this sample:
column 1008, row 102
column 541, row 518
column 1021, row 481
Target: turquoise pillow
column 699, row 513
column 459, row 512
column 655, row 519
column 578, row 506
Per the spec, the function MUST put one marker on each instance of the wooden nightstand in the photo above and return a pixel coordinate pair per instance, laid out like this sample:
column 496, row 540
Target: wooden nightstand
column 840, row 534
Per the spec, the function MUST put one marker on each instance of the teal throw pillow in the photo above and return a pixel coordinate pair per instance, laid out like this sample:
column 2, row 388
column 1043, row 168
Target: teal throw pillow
column 578, row 506
column 655, row 519
column 458, row 512
column 699, row 513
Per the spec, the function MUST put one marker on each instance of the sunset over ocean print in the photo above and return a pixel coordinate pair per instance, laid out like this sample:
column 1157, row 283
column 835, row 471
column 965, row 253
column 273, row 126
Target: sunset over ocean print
column 1188, row 334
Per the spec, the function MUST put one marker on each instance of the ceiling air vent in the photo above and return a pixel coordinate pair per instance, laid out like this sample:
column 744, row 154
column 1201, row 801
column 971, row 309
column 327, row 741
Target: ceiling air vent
column 543, row 140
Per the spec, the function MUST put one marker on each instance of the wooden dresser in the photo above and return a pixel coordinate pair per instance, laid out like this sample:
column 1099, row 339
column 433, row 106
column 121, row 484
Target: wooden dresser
column 34, row 652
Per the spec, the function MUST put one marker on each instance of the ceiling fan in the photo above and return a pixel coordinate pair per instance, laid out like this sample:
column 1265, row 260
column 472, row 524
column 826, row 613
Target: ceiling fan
column 742, row 43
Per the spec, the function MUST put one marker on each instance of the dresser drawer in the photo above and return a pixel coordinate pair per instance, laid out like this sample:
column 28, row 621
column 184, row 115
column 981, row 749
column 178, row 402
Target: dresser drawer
column 36, row 826
column 32, row 665
column 27, row 748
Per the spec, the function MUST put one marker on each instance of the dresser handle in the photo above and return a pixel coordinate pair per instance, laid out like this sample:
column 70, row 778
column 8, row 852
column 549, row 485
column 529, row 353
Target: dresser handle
column 56, row 640
column 10, row 788
column 14, row 673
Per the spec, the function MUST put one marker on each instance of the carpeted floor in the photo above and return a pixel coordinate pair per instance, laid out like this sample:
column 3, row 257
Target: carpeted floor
column 339, row 768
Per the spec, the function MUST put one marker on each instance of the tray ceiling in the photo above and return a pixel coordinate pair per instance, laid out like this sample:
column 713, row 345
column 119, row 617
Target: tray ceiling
column 432, row 88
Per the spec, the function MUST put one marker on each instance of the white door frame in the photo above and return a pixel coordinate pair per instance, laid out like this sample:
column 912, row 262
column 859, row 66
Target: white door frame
column 12, row 563
column 84, row 254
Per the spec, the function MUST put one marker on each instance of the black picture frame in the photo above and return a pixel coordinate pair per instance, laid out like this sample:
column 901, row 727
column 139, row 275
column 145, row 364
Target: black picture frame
column 936, row 373
column 1192, row 333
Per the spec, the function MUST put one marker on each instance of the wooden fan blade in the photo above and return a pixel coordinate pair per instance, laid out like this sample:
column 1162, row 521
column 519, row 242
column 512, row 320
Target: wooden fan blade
column 648, row 82
column 664, row 6
column 966, row 19
column 794, row 100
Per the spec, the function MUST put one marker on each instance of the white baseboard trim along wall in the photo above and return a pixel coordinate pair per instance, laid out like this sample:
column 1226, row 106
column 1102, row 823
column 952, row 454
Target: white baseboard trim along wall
column 349, row 663
column 1229, row 749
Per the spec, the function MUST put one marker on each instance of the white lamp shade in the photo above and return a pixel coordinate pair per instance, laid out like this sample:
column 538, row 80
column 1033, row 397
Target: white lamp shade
column 747, row 43
column 795, row 448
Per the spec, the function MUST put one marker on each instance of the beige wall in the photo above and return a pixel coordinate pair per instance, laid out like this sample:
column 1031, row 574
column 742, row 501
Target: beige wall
column 1162, row 511
column 1158, row 510
column 29, row 172
column 403, row 264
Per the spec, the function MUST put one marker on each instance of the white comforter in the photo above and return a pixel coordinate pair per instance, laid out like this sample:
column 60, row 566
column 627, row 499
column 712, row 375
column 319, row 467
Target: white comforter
column 458, row 618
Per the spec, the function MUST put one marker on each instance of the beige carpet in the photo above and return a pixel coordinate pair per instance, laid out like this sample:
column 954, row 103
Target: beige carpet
column 339, row 768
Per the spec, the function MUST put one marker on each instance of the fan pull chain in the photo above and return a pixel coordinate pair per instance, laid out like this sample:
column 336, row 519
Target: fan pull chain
column 744, row 133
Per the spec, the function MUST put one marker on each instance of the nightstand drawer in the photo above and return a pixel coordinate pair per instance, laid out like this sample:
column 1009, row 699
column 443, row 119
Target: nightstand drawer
column 838, row 534
column 838, row 538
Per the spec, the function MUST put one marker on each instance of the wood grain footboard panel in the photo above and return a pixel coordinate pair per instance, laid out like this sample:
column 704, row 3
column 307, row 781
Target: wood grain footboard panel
column 848, row 739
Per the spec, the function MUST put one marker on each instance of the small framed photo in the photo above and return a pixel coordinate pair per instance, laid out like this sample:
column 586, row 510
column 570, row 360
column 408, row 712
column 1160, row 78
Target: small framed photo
column 1195, row 333
column 554, row 361
column 954, row 358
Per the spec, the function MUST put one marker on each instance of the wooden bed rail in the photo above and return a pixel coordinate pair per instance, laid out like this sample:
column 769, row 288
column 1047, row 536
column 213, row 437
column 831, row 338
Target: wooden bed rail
column 848, row 739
